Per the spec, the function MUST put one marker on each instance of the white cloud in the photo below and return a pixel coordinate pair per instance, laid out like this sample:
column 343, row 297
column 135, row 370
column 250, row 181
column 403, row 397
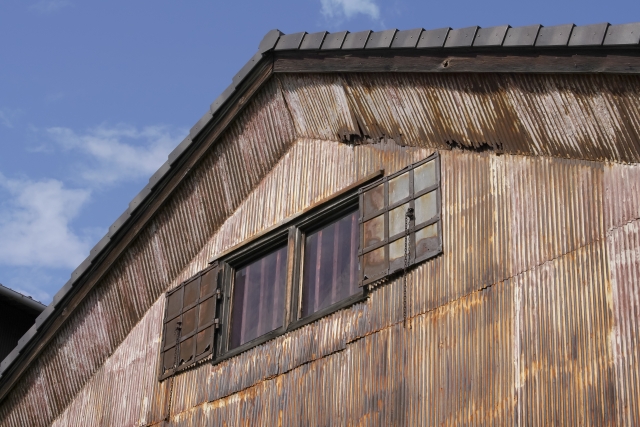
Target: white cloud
column 47, row 6
column 338, row 9
column 118, row 153
column 8, row 116
column 35, row 224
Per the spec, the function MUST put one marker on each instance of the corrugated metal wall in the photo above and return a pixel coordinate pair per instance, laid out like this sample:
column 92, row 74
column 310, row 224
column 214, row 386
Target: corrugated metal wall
column 535, row 248
column 159, row 258
column 622, row 219
column 591, row 117
column 512, row 325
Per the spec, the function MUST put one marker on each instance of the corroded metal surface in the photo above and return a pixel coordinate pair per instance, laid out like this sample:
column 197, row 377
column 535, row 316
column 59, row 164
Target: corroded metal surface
column 622, row 193
column 253, row 143
column 563, row 324
column 592, row 117
column 530, row 245
column 512, row 325
column 624, row 259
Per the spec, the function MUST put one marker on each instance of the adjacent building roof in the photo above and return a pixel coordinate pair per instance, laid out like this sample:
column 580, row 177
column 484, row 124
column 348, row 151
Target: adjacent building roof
column 17, row 313
column 20, row 301
column 598, row 48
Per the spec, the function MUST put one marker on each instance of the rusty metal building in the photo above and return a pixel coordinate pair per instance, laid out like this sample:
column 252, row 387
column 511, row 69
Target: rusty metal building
column 529, row 313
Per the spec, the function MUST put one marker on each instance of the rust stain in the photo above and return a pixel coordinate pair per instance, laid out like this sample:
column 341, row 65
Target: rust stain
column 529, row 316
column 589, row 117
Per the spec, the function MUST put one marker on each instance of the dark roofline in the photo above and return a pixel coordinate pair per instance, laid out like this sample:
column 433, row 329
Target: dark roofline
column 22, row 301
column 598, row 39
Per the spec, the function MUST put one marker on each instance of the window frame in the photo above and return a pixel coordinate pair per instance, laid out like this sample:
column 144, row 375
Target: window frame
column 293, row 232
column 413, row 227
column 345, row 205
column 237, row 260
column 180, row 288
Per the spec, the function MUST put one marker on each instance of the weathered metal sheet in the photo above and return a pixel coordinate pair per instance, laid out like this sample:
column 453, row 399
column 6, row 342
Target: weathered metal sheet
column 382, row 378
column 511, row 325
column 623, row 244
column 622, row 211
column 563, row 324
column 531, row 224
column 254, row 143
column 622, row 194
column 591, row 117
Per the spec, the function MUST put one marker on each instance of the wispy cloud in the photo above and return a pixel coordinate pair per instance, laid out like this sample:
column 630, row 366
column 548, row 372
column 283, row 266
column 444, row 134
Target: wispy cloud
column 8, row 116
column 341, row 9
column 35, row 219
column 39, row 237
column 121, row 153
column 48, row 6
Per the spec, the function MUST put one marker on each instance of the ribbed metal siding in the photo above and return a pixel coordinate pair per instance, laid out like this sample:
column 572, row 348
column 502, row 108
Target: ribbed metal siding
column 622, row 193
column 159, row 256
column 379, row 379
column 624, row 259
column 503, row 216
column 591, row 117
column 622, row 220
column 564, row 320
column 532, row 346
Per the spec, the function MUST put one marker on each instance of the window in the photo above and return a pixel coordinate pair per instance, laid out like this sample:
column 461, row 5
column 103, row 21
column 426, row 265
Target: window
column 189, row 322
column 405, row 204
column 311, row 265
column 330, row 264
column 258, row 297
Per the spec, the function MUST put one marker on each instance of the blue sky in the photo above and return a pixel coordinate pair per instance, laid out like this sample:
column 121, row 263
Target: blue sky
column 94, row 95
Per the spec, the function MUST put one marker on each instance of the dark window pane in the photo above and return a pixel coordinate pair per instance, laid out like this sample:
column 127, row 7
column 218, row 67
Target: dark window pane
column 374, row 263
column 191, row 292
column 189, row 321
column 374, row 231
column 258, row 297
column 168, row 359
column 174, row 306
column 330, row 264
column 374, row 200
column 204, row 341
column 170, row 332
column 207, row 311
column 209, row 282
column 187, row 351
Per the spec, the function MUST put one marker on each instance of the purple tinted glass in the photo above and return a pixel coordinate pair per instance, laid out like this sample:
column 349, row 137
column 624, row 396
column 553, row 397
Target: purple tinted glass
column 258, row 297
column 330, row 264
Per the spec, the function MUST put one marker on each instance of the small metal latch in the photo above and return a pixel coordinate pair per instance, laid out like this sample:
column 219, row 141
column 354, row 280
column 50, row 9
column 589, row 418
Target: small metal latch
column 216, row 322
column 410, row 213
column 218, row 293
